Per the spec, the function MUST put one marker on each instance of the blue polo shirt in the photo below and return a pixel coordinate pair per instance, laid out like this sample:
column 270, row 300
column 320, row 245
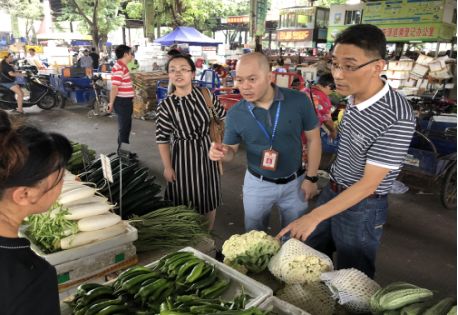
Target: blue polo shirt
column 296, row 115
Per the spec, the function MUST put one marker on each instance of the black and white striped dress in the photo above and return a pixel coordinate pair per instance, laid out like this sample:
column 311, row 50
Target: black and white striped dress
column 184, row 122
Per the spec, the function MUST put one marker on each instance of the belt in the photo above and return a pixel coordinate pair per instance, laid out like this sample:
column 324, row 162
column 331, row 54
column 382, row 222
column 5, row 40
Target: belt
column 281, row 180
column 338, row 188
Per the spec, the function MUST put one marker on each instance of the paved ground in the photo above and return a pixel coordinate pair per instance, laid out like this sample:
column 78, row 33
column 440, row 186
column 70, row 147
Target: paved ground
column 419, row 244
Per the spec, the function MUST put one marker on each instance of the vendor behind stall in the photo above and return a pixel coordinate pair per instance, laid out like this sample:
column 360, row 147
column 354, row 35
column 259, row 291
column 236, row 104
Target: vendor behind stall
column 32, row 166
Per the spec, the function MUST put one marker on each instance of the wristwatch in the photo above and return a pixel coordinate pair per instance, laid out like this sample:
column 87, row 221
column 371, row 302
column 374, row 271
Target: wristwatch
column 312, row 179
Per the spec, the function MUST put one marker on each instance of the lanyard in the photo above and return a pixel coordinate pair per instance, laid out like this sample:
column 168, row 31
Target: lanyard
column 277, row 115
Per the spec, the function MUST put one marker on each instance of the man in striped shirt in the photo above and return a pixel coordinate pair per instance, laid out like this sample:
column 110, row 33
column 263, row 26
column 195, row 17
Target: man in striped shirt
column 122, row 93
column 375, row 135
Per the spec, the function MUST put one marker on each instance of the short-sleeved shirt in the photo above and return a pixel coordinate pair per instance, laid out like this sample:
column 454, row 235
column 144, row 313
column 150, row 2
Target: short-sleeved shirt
column 6, row 68
column 294, row 118
column 322, row 104
column 120, row 77
column 377, row 131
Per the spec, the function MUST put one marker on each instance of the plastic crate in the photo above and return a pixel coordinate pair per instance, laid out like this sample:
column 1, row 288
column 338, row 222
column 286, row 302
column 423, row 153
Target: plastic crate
column 280, row 307
column 94, row 268
column 83, row 251
column 258, row 292
column 82, row 96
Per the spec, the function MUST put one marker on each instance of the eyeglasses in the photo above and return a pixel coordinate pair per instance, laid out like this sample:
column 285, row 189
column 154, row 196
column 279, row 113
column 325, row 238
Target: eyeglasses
column 347, row 68
column 175, row 71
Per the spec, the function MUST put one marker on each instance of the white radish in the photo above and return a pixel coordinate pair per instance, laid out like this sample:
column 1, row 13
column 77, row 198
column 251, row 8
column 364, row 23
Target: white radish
column 84, row 210
column 98, row 222
column 76, row 194
column 84, row 238
column 91, row 199
column 71, row 186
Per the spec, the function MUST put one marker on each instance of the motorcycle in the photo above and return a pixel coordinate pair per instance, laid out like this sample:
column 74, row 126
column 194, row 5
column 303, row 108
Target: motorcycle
column 41, row 94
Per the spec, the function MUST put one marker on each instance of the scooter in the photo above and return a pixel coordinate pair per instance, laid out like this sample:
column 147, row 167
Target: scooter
column 41, row 94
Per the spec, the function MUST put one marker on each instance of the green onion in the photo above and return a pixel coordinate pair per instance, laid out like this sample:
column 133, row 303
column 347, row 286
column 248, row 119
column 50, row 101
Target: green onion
column 48, row 228
column 170, row 228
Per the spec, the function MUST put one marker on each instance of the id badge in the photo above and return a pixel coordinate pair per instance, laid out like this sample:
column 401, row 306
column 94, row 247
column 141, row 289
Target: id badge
column 269, row 160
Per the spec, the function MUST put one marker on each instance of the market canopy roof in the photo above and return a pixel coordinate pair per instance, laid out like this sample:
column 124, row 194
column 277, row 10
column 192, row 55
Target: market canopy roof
column 186, row 35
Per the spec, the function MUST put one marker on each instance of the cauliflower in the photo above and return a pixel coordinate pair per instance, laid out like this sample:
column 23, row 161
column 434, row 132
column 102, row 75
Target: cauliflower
column 252, row 250
column 297, row 263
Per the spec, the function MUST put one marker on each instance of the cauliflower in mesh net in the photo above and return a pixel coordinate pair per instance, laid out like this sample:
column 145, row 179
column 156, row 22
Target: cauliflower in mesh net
column 252, row 250
column 299, row 263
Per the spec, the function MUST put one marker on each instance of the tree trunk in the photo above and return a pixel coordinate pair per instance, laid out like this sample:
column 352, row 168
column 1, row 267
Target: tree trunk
column 103, row 42
column 123, row 35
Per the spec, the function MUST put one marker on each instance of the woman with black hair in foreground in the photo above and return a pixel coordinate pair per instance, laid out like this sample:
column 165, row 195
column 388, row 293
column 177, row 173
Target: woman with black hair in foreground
column 32, row 167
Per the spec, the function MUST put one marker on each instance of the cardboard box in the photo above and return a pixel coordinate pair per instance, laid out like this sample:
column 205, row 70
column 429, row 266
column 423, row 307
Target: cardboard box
column 437, row 66
column 410, row 82
column 424, row 60
column 395, row 84
column 420, row 70
column 403, row 65
column 397, row 74
column 443, row 74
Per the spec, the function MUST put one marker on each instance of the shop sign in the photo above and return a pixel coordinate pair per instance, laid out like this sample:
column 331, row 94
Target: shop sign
column 242, row 19
column 38, row 48
column 403, row 11
column 407, row 32
column 294, row 35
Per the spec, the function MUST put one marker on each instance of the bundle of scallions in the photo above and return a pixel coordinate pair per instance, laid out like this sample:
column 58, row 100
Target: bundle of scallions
column 48, row 228
column 170, row 228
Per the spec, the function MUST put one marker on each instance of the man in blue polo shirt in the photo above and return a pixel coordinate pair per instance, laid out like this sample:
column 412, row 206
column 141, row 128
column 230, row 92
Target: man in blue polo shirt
column 269, row 121
column 375, row 135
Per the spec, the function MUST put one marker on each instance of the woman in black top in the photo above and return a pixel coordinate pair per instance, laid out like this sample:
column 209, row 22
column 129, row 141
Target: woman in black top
column 32, row 166
column 8, row 77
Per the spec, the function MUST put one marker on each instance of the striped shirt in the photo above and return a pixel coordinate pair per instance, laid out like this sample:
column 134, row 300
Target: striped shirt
column 120, row 77
column 377, row 131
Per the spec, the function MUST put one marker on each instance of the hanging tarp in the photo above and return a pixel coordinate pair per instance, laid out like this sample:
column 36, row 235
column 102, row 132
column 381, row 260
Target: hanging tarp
column 186, row 35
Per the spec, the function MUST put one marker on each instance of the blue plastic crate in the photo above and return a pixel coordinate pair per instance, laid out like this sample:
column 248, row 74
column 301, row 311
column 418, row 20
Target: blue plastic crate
column 82, row 96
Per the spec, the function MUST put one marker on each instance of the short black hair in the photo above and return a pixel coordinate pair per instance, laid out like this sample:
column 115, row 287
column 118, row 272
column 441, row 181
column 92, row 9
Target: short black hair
column 173, row 52
column 121, row 50
column 29, row 154
column 185, row 57
column 93, row 48
column 368, row 37
column 325, row 80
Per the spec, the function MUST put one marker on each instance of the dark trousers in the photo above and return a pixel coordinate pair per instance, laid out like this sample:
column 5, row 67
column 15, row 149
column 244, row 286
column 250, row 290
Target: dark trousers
column 123, row 107
column 354, row 234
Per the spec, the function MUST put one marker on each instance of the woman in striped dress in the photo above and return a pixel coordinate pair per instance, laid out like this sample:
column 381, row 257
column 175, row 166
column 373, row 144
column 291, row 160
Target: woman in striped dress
column 183, row 124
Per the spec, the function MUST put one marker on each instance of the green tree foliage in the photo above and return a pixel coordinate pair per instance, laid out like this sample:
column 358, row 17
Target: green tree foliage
column 30, row 10
column 201, row 14
column 327, row 3
column 97, row 17
column 134, row 10
column 205, row 14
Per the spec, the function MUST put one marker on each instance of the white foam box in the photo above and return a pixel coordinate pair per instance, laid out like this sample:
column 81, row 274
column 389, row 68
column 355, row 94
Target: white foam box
column 437, row 65
column 85, row 250
column 397, row 74
column 420, row 70
column 441, row 74
column 94, row 268
column 257, row 291
column 93, row 264
column 280, row 307
column 410, row 82
column 406, row 91
column 424, row 60
column 395, row 84
column 404, row 65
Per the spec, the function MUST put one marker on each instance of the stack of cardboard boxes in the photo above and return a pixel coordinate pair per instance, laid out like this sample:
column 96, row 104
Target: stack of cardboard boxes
column 415, row 77
column 145, row 91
